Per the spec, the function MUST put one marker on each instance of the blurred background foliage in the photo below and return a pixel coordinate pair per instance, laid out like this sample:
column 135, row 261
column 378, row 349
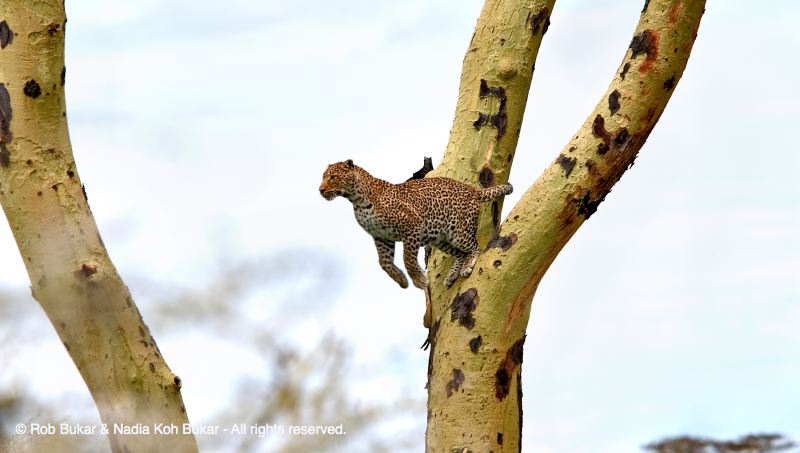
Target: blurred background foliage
column 268, row 309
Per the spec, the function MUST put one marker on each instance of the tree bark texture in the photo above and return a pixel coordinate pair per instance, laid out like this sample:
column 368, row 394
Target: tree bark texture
column 71, row 274
column 477, row 327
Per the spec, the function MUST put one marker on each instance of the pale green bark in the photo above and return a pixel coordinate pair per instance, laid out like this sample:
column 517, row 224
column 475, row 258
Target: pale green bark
column 71, row 274
column 477, row 328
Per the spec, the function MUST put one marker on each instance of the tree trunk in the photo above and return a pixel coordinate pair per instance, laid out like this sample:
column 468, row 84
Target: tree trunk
column 477, row 327
column 71, row 274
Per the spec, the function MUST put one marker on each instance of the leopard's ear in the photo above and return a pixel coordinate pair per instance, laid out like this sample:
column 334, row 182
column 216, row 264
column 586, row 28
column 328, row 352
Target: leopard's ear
column 348, row 163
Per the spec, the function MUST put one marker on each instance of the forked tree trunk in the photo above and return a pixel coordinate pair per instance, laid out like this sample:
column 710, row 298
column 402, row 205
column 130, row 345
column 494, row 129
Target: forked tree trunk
column 477, row 327
column 71, row 274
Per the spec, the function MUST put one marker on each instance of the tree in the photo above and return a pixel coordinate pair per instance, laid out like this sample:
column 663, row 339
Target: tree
column 71, row 274
column 751, row 443
column 477, row 327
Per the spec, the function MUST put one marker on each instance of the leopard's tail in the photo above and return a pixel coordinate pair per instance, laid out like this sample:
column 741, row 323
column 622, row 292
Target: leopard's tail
column 490, row 193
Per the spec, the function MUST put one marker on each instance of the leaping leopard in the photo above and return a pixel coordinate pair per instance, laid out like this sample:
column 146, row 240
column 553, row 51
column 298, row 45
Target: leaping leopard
column 439, row 212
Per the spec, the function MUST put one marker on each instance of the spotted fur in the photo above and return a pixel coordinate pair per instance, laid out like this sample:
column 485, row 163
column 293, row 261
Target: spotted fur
column 437, row 212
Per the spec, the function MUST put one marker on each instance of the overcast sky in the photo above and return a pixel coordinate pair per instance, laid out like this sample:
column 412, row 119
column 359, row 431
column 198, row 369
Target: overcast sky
column 202, row 132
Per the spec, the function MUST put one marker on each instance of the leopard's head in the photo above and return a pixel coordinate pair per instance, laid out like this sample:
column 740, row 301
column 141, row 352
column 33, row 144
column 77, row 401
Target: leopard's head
column 338, row 180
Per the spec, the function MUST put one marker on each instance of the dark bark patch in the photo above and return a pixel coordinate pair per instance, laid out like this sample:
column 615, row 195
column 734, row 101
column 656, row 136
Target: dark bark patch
column 613, row 102
column 567, row 163
column 32, row 89
column 599, row 129
column 141, row 331
column 646, row 3
column 482, row 119
column 63, row 75
column 70, row 174
column 502, row 242
column 462, row 307
column 177, row 382
column 510, row 362
column 454, row 384
column 427, row 166
column 475, row 343
column 6, row 35
column 497, row 120
column 515, row 353
column 5, row 156
column 622, row 137
column 519, row 404
column 5, row 115
column 83, row 189
column 587, row 206
column 485, row 90
column 497, row 263
column 643, row 44
column 499, row 438
column 66, row 345
column 646, row 43
column 572, row 149
column 486, row 177
column 624, row 70
column 502, row 382
column 669, row 83
column 540, row 21
column 87, row 270
column 152, row 367
column 495, row 213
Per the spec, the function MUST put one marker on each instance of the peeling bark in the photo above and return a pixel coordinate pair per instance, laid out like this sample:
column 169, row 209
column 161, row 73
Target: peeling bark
column 71, row 274
column 481, row 417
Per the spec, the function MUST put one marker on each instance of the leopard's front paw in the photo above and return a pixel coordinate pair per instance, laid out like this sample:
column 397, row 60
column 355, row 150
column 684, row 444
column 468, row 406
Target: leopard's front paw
column 402, row 282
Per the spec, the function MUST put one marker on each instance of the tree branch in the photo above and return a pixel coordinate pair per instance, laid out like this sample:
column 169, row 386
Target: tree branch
column 495, row 80
column 477, row 328
column 573, row 186
column 71, row 274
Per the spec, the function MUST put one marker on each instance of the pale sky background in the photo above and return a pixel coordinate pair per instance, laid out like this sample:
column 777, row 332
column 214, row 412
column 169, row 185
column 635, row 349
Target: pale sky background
column 201, row 131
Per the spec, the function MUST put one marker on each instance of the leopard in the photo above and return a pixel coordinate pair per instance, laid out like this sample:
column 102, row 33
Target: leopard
column 435, row 212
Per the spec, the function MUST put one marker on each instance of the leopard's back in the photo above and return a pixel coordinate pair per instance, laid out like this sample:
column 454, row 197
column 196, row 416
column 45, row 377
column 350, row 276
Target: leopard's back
column 448, row 209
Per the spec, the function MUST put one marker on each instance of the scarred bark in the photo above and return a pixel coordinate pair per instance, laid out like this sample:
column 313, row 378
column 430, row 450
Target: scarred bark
column 71, row 274
column 477, row 328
